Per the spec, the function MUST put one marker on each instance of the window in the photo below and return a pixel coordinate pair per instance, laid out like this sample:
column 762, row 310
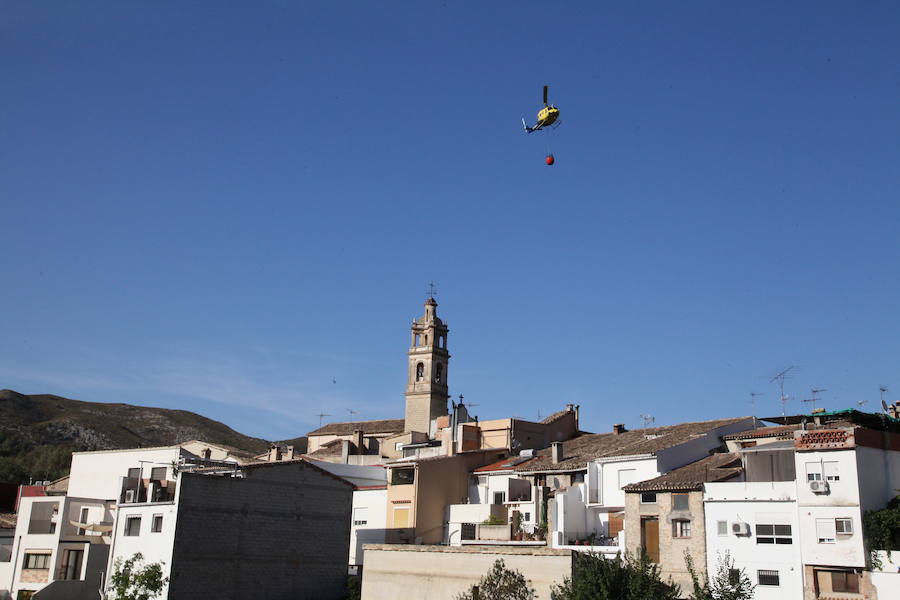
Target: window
column 156, row 524
column 773, row 534
column 648, row 498
column 438, row 372
column 398, row 446
column 627, row 476
column 360, row 515
column 722, row 527
column 825, row 531
column 6, row 545
column 526, row 516
column 401, row 517
column 813, row 471
column 25, row 594
column 134, row 473
column 499, row 497
column 403, row 476
column 831, row 471
column 681, row 528
column 420, row 371
column 842, row 581
column 843, row 526
column 158, row 473
column 132, row 526
column 82, row 519
column 71, row 566
column 37, row 561
column 418, row 340
column 767, row 578
column 680, row 502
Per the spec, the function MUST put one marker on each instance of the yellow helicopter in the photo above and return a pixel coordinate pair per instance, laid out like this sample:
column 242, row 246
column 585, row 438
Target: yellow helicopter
column 546, row 117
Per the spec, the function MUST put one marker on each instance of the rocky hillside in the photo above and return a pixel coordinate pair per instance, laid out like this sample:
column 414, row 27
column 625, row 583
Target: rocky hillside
column 37, row 432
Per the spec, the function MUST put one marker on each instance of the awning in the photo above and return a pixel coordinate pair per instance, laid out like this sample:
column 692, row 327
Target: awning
column 98, row 527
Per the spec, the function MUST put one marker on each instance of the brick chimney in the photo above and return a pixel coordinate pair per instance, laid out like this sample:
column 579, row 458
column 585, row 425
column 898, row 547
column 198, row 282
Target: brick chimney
column 359, row 440
column 619, row 428
column 556, row 451
column 274, row 453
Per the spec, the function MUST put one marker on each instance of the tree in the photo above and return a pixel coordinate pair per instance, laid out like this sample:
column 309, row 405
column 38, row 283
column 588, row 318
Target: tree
column 628, row 577
column 131, row 580
column 727, row 584
column 500, row 583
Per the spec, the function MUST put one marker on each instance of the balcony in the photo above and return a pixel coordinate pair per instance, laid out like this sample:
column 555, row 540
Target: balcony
column 137, row 491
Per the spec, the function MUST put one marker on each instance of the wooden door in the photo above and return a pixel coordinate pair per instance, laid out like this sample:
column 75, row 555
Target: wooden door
column 650, row 538
column 616, row 524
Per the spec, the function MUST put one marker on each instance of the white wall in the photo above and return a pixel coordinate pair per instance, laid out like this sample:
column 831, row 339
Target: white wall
column 98, row 474
column 155, row 547
column 879, row 476
column 373, row 504
column 887, row 579
column 612, row 472
column 846, row 550
column 746, row 552
column 844, row 491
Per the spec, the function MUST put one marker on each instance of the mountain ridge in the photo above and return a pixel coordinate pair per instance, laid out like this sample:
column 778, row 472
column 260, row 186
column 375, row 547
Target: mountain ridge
column 38, row 432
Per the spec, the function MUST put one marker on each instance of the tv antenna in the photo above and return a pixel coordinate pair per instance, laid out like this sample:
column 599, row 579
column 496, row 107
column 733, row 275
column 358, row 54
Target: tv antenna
column 815, row 398
column 884, row 406
column 351, row 411
column 753, row 396
column 780, row 377
column 647, row 420
column 321, row 415
column 861, row 403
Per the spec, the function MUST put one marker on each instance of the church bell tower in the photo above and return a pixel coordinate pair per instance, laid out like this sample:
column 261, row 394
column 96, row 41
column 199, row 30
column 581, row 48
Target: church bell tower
column 426, row 383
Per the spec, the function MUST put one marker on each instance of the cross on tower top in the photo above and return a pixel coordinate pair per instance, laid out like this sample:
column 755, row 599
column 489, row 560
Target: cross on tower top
column 432, row 290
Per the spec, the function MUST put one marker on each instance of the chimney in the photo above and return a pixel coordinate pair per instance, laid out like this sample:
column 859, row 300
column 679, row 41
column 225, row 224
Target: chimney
column 274, row 453
column 345, row 451
column 207, row 453
column 619, row 428
column 556, row 451
column 289, row 452
column 570, row 407
column 359, row 440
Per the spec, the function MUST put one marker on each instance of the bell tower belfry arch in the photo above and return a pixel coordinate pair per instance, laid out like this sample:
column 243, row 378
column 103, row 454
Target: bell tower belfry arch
column 426, row 383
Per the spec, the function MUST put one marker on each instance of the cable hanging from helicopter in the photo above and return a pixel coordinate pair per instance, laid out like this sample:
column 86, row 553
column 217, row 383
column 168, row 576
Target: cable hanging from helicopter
column 547, row 119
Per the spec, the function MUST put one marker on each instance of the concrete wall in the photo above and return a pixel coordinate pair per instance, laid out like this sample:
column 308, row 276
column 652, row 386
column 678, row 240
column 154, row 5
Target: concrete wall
column 879, row 476
column 886, row 580
column 282, row 532
column 98, row 474
column 154, row 546
column 442, row 572
column 372, row 505
column 752, row 503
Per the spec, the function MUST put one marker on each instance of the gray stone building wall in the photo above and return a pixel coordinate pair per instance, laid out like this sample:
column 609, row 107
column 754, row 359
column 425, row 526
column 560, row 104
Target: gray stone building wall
column 280, row 533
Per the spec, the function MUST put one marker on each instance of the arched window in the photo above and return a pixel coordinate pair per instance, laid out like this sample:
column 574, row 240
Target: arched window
column 438, row 373
column 420, row 371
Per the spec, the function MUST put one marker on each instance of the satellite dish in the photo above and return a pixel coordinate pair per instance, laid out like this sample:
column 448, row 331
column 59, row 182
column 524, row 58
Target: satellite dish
column 884, row 406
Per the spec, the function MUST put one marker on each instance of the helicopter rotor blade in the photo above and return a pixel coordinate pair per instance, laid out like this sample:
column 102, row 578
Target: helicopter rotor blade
column 545, row 94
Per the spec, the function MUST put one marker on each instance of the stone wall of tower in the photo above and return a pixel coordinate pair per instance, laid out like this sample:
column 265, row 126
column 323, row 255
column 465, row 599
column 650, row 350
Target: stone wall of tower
column 427, row 392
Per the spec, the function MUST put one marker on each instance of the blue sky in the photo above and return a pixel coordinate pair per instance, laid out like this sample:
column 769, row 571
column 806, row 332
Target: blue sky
column 225, row 207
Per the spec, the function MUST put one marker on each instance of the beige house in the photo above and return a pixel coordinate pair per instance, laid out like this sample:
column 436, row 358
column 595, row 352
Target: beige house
column 664, row 516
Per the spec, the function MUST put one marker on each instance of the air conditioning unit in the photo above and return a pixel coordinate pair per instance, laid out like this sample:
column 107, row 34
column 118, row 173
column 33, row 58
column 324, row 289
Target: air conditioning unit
column 817, row 486
column 529, row 452
column 740, row 528
column 129, row 496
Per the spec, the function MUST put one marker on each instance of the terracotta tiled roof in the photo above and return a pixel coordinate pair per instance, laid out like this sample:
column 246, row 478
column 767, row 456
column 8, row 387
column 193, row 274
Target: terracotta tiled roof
column 579, row 450
column 506, row 464
column 382, row 426
column 554, row 416
column 716, row 467
column 785, row 431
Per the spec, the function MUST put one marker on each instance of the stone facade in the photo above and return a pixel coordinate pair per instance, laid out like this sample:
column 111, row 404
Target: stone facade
column 426, row 384
column 672, row 546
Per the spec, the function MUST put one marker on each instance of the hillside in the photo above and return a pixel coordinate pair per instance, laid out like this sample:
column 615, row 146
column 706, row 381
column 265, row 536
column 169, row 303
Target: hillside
column 37, row 432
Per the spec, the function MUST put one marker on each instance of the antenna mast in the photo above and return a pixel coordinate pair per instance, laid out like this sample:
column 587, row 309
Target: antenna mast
column 815, row 398
column 647, row 420
column 780, row 377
